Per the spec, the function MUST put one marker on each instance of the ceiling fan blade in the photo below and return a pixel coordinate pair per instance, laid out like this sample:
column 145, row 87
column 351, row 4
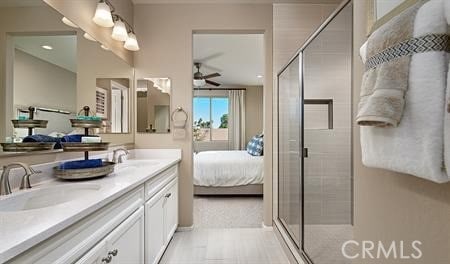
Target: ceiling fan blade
column 212, row 75
column 210, row 68
column 210, row 57
column 212, row 83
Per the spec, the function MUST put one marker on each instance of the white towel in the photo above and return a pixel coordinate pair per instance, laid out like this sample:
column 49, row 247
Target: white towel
column 416, row 146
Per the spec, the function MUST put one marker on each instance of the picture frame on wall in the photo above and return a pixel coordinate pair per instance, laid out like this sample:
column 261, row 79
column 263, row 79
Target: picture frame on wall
column 101, row 103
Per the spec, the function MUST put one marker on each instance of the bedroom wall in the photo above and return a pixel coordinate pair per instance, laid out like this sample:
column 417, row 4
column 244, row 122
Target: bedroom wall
column 392, row 206
column 254, row 108
column 165, row 35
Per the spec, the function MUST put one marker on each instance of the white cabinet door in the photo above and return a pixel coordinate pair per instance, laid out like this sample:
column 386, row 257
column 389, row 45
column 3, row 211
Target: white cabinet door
column 154, row 228
column 97, row 255
column 171, row 210
column 126, row 242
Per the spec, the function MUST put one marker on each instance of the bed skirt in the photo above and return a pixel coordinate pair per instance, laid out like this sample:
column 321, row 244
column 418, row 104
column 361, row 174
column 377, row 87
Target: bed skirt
column 251, row 189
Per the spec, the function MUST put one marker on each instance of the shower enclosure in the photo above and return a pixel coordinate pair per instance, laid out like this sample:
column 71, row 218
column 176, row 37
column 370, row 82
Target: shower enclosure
column 314, row 142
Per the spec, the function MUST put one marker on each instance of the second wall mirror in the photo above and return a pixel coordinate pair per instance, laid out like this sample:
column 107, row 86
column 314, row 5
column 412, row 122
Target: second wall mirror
column 153, row 105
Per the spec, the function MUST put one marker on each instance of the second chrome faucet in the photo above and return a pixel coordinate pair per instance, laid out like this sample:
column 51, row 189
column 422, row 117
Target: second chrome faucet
column 5, row 187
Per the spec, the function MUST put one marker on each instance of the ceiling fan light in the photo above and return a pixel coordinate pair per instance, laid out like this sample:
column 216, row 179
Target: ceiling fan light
column 103, row 15
column 119, row 32
column 131, row 42
column 68, row 22
column 199, row 82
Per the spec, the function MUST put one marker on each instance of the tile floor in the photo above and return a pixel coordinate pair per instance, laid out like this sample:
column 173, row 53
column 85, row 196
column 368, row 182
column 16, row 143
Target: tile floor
column 227, row 230
column 225, row 246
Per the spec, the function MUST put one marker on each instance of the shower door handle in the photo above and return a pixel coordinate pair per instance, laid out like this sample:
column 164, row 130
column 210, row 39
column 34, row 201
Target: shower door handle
column 305, row 152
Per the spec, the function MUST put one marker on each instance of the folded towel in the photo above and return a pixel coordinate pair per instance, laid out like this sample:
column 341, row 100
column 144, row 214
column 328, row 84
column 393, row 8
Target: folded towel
column 44, row 138
column 416, row 145
column 74, row 138
column 386, row 78
column 81, row 164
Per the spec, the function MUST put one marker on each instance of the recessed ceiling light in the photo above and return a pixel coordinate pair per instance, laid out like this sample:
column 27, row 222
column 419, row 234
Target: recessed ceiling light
column 47, row 47
column 259, row 76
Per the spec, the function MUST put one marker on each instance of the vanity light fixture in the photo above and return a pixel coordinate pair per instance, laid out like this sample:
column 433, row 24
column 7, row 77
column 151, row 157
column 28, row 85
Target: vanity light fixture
column 89, row 37
column 131, row 42
column 104, row 47
column 103, row 16
column 119, row 32
column 69, row 23
column 47, row 47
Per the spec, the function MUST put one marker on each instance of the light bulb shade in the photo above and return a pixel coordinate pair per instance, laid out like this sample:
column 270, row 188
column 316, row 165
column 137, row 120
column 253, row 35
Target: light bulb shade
column 119, row 31
column 89, row 37
column 68, row 22
column 199, row 82
column 131, row 42
column 103, row 15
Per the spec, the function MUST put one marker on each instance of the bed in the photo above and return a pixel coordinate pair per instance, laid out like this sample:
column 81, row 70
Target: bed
column 228, row 173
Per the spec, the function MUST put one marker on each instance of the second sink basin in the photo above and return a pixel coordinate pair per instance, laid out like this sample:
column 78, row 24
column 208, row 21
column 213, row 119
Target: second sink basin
column 46, row 197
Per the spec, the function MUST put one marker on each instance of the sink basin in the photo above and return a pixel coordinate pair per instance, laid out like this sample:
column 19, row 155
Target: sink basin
column 141, row 162
column 46, row 197
column 138, row 163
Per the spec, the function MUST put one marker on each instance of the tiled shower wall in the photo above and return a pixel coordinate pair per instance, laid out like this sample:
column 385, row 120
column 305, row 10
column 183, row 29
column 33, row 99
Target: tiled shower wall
column 327, row 170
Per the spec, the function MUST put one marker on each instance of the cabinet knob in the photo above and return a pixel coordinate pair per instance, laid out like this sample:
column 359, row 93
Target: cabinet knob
column 113, row 252
column 107, row 259
column 168, row 195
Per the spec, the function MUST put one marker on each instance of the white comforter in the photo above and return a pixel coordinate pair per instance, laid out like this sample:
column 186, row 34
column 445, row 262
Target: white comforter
column 227, row 168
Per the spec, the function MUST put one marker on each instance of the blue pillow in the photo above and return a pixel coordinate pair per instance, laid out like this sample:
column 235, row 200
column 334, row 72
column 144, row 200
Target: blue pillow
column 255, row 146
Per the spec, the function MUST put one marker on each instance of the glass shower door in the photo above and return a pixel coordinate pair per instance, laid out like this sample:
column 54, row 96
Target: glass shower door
column 289, row 146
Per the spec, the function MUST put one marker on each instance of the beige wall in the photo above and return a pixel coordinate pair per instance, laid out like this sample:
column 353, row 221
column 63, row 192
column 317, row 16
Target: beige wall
column 393, row 206
column 36, row 79
column 81, row 12
column 254, row 110
column 166, row 50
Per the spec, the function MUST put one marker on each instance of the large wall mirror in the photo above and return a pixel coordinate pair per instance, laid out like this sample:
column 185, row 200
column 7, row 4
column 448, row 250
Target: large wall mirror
column 153, row 105
column 54, row 67
column 381, row 11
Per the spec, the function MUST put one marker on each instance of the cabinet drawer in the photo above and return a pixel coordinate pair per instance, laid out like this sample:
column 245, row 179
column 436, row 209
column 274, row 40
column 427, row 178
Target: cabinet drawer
column 156, row 184
column 73, row 242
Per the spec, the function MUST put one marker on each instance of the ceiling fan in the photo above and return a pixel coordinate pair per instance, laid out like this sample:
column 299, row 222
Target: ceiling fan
column 201, row 80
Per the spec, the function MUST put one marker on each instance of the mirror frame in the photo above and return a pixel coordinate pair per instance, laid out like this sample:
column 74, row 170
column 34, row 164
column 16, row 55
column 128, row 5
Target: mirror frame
column 373, row 23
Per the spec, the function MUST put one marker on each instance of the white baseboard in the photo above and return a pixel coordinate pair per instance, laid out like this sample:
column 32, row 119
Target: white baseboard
column 185, row 228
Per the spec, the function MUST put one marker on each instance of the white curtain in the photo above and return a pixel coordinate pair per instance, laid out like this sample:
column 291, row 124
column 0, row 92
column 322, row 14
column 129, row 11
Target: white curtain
column 236, row 120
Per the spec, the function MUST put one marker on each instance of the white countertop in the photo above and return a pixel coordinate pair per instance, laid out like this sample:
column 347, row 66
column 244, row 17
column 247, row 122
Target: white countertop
column 20, row 230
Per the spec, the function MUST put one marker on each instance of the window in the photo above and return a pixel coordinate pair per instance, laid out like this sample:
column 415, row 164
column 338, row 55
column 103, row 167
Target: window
column 210, row 118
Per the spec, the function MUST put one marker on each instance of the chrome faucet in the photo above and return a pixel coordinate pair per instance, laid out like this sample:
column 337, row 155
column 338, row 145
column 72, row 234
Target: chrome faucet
column 118, row 158
column 5, row 187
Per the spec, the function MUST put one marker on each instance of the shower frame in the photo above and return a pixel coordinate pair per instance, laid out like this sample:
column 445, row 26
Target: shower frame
column 279, row 223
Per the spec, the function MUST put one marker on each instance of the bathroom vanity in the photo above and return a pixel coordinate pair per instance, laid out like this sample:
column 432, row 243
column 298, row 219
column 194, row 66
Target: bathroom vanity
column 129, row 216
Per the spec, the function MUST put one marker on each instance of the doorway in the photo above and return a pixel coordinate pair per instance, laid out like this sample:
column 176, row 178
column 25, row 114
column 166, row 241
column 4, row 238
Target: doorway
column 228, row 103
